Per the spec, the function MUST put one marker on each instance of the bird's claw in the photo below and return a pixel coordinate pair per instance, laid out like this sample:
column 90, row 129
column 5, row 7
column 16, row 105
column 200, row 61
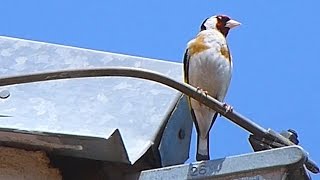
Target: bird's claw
column 205, row 93
column 227, row 107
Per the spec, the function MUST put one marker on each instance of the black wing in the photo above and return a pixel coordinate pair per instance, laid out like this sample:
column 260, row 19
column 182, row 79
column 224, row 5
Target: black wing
column 186, row 59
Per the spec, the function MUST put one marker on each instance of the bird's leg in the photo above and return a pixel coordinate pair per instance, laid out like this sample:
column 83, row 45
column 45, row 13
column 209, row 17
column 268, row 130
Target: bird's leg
column 227, row 107
column 204, row 93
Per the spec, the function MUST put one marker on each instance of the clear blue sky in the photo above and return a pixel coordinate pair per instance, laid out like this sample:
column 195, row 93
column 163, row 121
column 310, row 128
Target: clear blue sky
column 275, row 51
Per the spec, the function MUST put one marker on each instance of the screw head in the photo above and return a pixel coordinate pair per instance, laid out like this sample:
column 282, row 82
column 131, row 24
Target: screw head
column 4, row 94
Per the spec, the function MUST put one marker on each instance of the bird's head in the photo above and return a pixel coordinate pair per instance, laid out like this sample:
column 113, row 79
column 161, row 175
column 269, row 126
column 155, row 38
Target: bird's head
column 221, row 23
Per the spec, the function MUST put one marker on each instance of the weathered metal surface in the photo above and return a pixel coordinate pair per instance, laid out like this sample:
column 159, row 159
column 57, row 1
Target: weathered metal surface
column 89, row 107
column 265, row 165
column 110, row 149
column 175, row 142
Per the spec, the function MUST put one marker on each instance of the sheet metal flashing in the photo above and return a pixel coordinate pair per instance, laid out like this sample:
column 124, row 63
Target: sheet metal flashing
column 272, row 164
column 177, row 135
column 78, row 114
column 111, row 149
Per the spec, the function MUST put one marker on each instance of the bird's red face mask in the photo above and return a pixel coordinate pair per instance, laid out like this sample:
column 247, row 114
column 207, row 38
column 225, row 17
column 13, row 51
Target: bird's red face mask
column 224, row 24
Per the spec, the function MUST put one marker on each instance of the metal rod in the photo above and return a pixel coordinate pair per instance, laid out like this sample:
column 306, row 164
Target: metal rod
column 138, row 73
column 187, row 89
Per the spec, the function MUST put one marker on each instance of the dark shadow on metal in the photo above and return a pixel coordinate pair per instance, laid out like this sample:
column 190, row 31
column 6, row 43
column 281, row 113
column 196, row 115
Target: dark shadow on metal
column 153, row 76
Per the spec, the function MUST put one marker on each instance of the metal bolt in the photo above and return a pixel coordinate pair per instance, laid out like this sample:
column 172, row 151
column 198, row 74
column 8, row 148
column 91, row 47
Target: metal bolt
column 4, row 94
column 292, row 135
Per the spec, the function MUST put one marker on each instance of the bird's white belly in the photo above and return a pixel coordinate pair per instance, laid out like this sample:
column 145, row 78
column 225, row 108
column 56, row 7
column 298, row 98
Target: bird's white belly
column 211, row 72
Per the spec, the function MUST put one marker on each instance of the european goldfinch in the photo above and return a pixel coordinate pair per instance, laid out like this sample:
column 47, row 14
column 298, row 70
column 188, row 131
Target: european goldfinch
column 208, row 66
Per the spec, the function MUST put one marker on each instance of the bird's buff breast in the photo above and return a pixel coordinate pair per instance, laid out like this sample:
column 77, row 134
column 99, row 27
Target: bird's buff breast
column 211, row 72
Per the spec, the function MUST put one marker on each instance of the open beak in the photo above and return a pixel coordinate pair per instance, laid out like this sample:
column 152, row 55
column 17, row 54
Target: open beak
column 232, row 23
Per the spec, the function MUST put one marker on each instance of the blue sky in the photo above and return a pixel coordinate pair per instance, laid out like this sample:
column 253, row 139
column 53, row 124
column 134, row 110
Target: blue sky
column 276, row 65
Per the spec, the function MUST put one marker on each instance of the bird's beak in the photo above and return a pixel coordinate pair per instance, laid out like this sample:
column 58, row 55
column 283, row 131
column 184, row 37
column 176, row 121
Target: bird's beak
column 232, row 23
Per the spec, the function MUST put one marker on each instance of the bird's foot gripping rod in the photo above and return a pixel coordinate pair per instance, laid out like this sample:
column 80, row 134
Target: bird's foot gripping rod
column 260, row 138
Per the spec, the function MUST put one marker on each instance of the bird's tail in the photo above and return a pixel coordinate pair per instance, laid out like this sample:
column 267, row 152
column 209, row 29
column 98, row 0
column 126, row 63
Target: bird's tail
column 203, row 148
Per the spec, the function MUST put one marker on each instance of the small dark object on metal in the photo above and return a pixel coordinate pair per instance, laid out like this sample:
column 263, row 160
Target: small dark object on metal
column 4, row 94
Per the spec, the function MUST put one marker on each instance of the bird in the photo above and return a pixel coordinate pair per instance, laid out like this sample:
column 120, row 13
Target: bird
column 207, row 66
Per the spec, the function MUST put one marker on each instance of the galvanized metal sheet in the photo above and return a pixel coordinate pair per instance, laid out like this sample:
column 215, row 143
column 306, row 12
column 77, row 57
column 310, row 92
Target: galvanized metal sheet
column 111, row 149
column 92, row 107
column 177, row 135
column 271, row 164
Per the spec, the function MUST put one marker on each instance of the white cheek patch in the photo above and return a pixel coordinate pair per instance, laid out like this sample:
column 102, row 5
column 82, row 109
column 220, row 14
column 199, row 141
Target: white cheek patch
column 211, row 23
